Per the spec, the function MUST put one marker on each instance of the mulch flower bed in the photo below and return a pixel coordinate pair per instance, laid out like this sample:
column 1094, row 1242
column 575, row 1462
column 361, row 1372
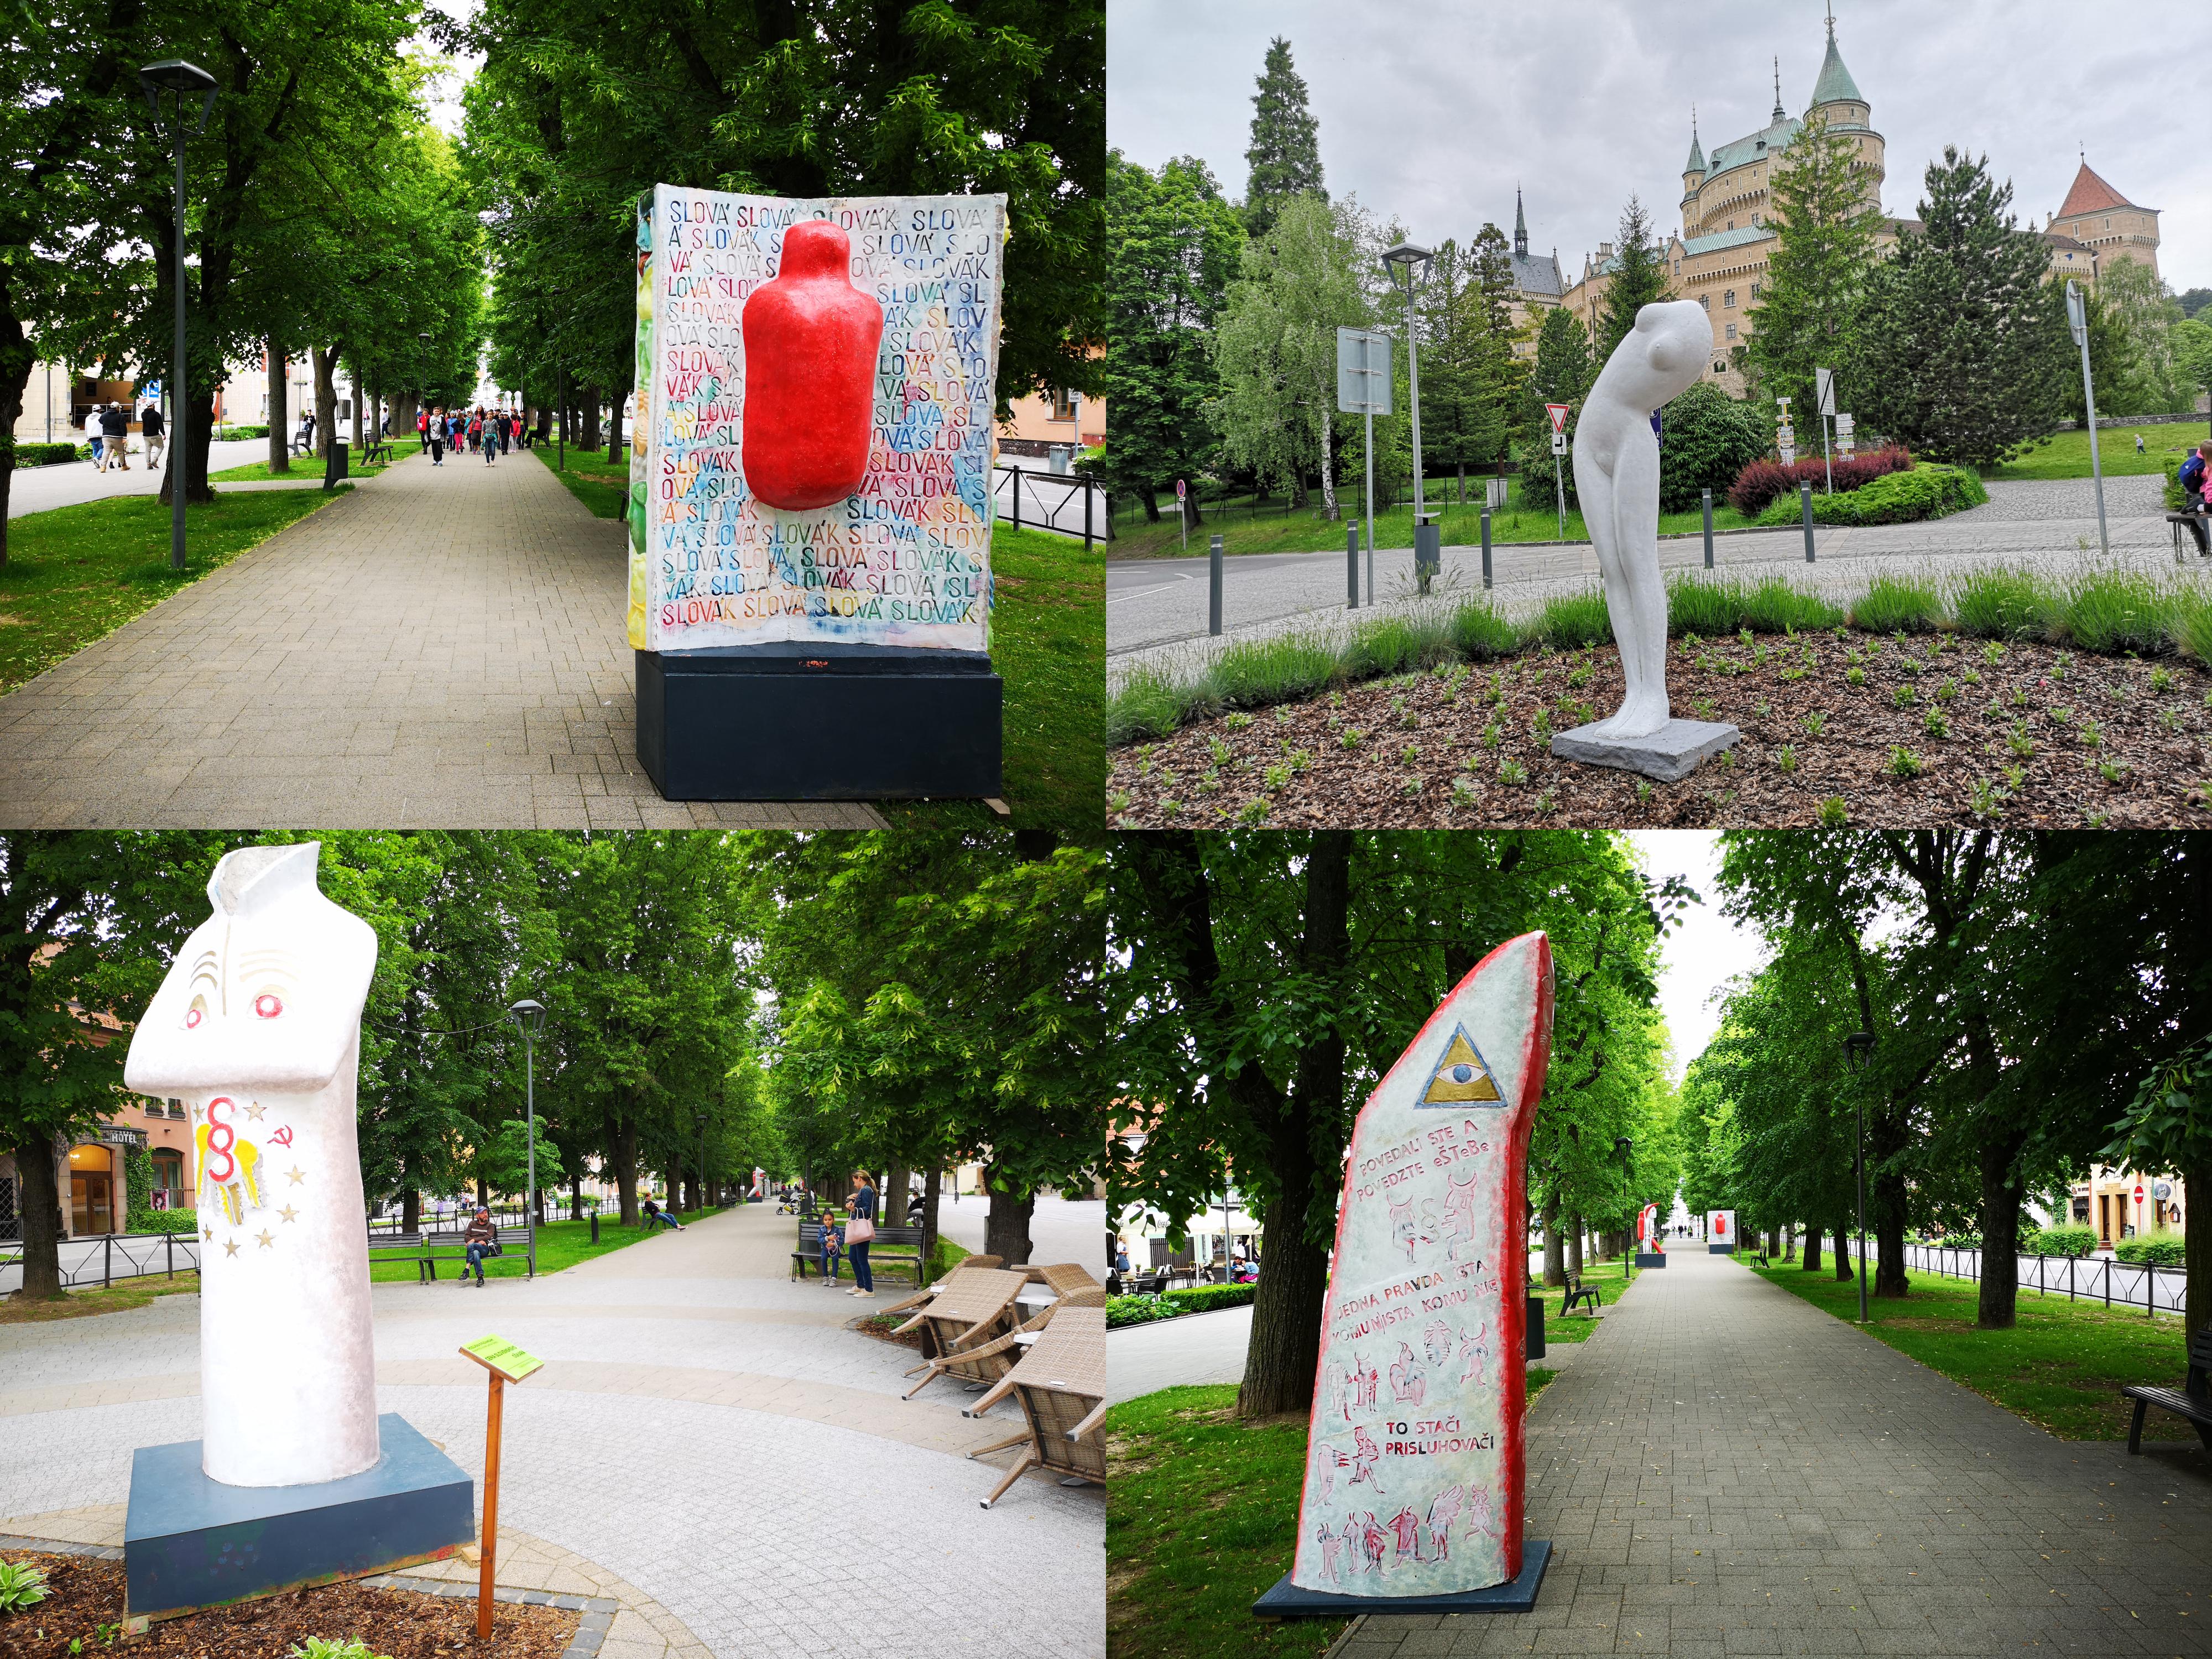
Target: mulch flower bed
column 1916, row 730
column 85, row 1607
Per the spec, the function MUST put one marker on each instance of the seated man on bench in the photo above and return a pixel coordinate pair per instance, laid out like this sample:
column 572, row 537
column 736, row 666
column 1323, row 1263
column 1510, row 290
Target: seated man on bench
column 2193, row 472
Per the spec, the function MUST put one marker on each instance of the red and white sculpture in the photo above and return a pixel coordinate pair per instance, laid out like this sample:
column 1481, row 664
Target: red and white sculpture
column 1647, row 1229
column 1414, row 1460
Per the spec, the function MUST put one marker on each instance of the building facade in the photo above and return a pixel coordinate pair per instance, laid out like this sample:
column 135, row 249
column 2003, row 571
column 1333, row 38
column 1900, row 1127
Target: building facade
column 2107, row 1200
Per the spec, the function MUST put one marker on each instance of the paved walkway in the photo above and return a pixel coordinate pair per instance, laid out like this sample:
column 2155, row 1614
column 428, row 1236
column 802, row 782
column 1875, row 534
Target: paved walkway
column 1156, row 608
column 442, row 647
column 1806, row 1490
column 704, row 1430
column 35, row 489
column 1059, row 1231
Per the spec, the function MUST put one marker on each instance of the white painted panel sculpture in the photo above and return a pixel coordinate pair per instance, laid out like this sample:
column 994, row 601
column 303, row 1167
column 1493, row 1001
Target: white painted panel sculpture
column 1415, row 1464
column 1617, row 476
column 258, row 1028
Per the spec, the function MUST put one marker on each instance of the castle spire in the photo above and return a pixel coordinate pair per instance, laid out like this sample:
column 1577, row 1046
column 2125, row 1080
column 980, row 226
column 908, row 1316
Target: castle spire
column 1697, row 161
column 1780, row 114
column 1520, row 226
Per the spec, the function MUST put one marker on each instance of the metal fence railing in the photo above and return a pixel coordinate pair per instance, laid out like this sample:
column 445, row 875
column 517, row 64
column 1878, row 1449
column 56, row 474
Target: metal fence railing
column 107, row 1257
column 2078, row 1278
column 1070, row 503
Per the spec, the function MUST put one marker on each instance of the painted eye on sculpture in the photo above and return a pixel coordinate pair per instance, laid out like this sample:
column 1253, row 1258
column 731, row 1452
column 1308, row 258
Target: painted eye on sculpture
column 1462, row 1073
column 196, row 1013
column 268, row 1005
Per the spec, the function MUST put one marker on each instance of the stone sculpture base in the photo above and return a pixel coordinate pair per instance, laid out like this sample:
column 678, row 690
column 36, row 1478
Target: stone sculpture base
column 1650, row 1259
column 796, row 720
column 1670, row 754
column 190, row 1542
column 1720, row 1250
column 1287, row 1601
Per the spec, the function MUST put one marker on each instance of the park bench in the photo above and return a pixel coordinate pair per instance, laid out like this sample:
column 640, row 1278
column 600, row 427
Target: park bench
column 2178, row 519
column 904, row 1244
column 428, row 1249
column 2192, row 1399
column 1759, row 1258
column 303, row 441
column 378, row 453
column 1578, row 1292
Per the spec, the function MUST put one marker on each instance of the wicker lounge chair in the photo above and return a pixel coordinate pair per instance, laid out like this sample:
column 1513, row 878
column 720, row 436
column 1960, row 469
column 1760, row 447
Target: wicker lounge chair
column 970, row 1312
column 966, row 1263
column 1062, row 1277
column 1060, row 1383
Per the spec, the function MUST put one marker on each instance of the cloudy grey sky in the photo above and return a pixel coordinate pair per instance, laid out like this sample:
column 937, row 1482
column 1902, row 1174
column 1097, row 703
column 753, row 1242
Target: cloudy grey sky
column 1433, row 111
column 1706, row 950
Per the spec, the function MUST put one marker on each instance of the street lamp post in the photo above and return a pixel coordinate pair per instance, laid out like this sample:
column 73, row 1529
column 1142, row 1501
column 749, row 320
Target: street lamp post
column 1403, row 260
column 529, row 1018
column 179, row 79
column 1858, row 1050
column 2077, row 319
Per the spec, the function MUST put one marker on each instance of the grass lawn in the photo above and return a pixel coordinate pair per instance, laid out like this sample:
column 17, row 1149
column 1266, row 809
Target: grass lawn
column 75, row 573
column 2067, row 453
column 602, row 485
column 560, row 1245
column 77, row 1304
column 1304, row 532
column 303, row 467
column 1201, row 1519
column 2060, row 1367
column 1607, row 1279
column 1047, row 642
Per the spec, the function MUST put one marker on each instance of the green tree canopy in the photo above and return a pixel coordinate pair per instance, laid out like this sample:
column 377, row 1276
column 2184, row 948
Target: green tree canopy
column 1284, row 153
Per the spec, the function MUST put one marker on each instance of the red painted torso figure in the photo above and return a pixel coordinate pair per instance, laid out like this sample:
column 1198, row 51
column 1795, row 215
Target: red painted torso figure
column 810, row 345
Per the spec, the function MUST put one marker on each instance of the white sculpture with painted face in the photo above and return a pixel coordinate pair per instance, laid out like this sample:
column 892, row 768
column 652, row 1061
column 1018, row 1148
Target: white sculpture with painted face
column 258, row 1028
column 1617, row 475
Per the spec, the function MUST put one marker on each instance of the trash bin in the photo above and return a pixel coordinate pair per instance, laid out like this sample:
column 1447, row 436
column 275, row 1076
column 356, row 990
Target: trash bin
column 1428, row 549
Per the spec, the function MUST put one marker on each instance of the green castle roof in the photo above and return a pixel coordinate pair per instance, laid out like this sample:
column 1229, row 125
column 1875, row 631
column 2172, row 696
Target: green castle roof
column 1835, row 85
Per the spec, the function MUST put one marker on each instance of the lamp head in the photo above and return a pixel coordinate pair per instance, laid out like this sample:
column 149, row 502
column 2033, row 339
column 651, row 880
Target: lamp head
column 1858, row 1050
column 186, row 81
column 529, row 1017
column 1405, row 257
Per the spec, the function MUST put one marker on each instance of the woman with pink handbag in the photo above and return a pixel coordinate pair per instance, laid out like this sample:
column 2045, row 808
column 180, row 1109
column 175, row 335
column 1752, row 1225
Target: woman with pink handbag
column 860, row 1230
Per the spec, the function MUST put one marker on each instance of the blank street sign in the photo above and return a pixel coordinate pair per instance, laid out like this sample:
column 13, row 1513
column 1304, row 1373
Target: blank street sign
column 1824, row 384
column 1363, row 372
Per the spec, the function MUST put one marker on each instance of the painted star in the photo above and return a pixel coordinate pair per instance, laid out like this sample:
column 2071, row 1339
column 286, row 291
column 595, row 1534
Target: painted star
column 230, row 1247
column 207, row 1235
column 288, row 1212
column 263, row 1236
column 296, row 1175
column 255, row 1111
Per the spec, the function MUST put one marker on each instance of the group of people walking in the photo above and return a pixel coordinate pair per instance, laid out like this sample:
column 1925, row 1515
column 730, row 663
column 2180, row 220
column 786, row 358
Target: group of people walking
column 107, row 429
column 470, row 431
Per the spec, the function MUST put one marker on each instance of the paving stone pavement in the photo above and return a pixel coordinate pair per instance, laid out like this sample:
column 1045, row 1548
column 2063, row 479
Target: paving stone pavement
column 704, row 1430
column 441, row 647
column 1806, row 1490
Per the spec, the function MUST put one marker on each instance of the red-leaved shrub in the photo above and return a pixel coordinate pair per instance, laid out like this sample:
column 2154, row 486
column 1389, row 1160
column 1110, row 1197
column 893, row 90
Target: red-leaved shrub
column 1759, row 483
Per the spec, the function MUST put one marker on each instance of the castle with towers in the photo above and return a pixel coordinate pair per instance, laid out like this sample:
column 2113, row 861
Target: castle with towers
column 1718, row 256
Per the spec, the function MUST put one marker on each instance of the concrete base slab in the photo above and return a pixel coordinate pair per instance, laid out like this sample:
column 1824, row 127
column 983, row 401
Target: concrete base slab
column 1287, row 1601
column 1650, row 1259
column 1720, row 1250
column 1670, row 754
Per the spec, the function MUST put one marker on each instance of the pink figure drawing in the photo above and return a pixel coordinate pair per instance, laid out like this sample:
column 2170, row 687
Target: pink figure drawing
column 1374, row 1538
column 1332, row 1460
column 1436, row 1339
column 1407, row 1526
column 1441, row 1513
column 1408, row 1383
column 1364, row 1459
column 1350, row 1539
column 1477, row 1515
column 1402, row 1229
column 1458, row 1213
column 1472, row 1351
column 1331, row 1553
column 1368, row 1380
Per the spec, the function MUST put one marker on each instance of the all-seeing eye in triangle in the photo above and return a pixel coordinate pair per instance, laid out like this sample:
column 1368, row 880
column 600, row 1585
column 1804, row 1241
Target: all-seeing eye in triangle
column 1463, row 1076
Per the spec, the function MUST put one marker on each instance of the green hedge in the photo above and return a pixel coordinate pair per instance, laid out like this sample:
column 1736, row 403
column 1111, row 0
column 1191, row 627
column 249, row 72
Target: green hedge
column 2059, row 1241
column 2158, row 1250
column 1927, row 491
column 50, row 454
column 1199, row 1299
column 139, row 1216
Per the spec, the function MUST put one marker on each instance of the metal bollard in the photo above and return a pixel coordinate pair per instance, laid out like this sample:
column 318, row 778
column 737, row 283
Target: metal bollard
column 1486, row 547
column 1805, row 501
column 1351, row 567
column 595, row 1224
column 1428, row 551
column 1709, row 529
column 1213, row 582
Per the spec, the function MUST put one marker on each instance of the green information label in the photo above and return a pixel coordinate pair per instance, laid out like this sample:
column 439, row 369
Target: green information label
column 497, row 1353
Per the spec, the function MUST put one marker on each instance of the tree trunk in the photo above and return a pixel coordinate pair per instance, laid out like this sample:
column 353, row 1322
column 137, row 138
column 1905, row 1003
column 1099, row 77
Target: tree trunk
column 576, row 1196
column 410, row 1209
column 194, row 453
column 1149, row 499
column 589, row 437
column 1574, row 1247
column 1555, row 1247
column 2196, row 1255
column 615, row 433
column 326, row 396
column 2002, row 1191
column 1843, row 1251
column 38, row 1201
column 1329, row 470
column 1812, row 1250
column 484, row 1194
column 1789, row 1241
column 1006, row 1229
column 932, row 1185
column 894, row 1197
column 280, row 450
column 622, row 1144
column 15, row 363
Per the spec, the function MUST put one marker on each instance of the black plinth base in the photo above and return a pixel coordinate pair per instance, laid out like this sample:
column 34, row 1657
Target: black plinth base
column 1720, row 1250
column 802, row 721
column 190, row 1542
column 1650, row 1259
column 1287, row 1601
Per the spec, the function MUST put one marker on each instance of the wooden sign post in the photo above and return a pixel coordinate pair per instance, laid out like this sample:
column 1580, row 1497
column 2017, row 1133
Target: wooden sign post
column 507, row 1364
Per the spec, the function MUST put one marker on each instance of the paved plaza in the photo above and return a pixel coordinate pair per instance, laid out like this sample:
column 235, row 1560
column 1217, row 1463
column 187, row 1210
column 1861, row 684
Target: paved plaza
column 1156, row 608
column 37, row 489
column 442, row 647
column 1804, row 1489
column 707, row 1443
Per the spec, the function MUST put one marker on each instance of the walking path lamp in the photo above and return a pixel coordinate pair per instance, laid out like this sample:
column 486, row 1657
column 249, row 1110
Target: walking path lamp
column 1409, row 262
column 529, row 1018
column 1858, row 1050
column 181, row 80
column 2077, row 319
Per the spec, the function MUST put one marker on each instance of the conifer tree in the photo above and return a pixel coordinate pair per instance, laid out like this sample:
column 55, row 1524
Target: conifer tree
column 1639, row 278
column 1824, row 219
column 1285, row 150
column 1963, row 353
column 1562, row 370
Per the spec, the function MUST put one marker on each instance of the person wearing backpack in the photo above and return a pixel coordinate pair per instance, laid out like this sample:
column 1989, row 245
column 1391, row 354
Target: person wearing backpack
column 422, row 427
column 2193, row 472
column 115, row 428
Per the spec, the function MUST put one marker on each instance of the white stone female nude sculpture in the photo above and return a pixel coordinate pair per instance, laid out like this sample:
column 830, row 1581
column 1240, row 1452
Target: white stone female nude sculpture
column 258, row 1028
column 1617, row 475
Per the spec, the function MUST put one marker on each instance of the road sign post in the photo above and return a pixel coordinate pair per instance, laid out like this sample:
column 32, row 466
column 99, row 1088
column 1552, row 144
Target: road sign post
column 1182, row 510
column 1824, row 386
column 1846, row 437
column 1559, row 416
column 1213, row 586
column 1363, row 388
column 2077, row 319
